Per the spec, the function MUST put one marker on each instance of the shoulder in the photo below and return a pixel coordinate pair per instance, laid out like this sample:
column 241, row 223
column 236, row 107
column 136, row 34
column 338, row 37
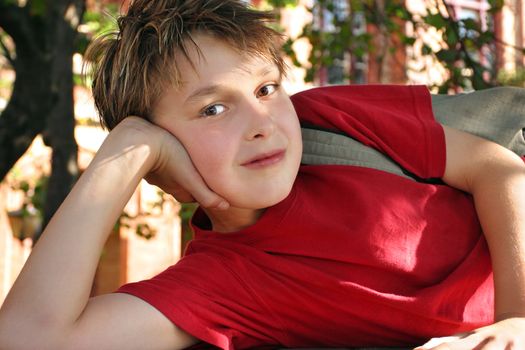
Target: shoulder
column 379, row 91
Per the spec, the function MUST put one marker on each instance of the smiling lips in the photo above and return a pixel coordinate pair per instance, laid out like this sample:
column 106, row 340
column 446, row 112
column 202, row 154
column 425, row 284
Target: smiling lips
column 265, row 159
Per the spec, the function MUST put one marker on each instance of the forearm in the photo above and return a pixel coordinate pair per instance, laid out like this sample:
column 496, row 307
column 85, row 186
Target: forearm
column 54, row 286
column 499, row 195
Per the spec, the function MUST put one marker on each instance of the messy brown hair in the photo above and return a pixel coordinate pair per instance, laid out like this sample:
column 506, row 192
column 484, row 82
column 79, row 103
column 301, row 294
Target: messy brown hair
column 132, row 66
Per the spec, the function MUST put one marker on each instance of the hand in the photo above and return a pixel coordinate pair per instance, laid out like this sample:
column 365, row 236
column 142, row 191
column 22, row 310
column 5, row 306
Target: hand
column 503, row 335
column 172, row 169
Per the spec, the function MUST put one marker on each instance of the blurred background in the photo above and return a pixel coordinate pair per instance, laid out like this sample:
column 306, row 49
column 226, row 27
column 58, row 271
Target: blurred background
column 49, row 128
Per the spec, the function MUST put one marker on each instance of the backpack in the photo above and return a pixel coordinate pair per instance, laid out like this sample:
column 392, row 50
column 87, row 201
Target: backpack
column 497, row 114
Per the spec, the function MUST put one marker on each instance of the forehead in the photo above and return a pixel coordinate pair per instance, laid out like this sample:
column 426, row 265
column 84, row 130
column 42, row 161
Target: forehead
column 212, row 66
column 213, row 58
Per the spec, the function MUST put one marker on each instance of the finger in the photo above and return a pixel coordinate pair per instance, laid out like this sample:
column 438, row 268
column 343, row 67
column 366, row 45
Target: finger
column 190, row 179
column 199, row 190
column 493, row 344
column 443, row 342
column 465, row 342
column 434, row 343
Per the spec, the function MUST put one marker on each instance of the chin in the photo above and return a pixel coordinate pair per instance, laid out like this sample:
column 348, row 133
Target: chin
column 261, row 199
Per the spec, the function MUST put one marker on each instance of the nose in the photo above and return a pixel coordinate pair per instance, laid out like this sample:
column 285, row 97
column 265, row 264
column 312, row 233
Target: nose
column 260, row 123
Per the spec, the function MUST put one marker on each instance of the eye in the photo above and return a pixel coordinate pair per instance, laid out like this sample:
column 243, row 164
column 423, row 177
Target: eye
column 213, row 110
column 267, row 90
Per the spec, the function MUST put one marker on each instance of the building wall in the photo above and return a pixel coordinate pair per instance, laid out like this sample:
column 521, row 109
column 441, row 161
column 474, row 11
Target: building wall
column 510, row 29
column 406, row 64
column 13, row 252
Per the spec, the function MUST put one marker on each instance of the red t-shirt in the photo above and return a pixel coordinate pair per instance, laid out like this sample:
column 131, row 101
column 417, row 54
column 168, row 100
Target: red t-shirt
column 353, row 256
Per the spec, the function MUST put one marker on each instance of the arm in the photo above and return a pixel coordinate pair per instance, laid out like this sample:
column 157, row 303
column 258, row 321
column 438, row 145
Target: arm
column 496, row 179
column 50, row 299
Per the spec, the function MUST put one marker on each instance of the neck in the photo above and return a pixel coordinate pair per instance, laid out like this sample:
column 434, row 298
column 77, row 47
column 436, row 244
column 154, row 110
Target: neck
column 233, row 219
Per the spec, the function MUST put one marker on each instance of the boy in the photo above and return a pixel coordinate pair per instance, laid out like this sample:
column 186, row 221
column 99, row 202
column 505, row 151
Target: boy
column 284, row 255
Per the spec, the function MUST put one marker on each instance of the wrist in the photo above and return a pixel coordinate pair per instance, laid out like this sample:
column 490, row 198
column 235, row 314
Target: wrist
column 133, row 144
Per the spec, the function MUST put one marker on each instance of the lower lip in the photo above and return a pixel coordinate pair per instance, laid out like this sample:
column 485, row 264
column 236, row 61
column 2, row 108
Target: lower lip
column 266, row 162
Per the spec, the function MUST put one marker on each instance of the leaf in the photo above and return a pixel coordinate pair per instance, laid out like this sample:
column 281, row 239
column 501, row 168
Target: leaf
column 327, row 61
column 469, row 44
column 478, row 83
column 457, row 74
column 402, row 13
column 495, row 5
column 443, row 89
column 471, row 24
column 447, row 55
column 435, row 20
column 407, row 40
column 283, row 3
column 359, row 52
column 450, row 38
column 485, row 37
column 310, row 73
column 345, row 33
column 426, row 50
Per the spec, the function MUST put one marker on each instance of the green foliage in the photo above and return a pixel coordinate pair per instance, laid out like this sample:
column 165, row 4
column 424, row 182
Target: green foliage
column 98, row 22
column 186, row 212
column 463, row 39
column 435, row 20
column 9, row 2
column 95, row 23
column 145, row 231
column 282, row 3
column 34, row 193
column 37, row 8
column 495, row 5
column 516, row 78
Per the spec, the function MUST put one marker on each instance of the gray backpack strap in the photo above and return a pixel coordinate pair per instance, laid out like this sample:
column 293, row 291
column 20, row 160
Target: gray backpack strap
column 496, row 114
column 324, row 147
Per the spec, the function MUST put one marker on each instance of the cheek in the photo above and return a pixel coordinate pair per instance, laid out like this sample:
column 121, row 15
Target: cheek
column 211, row 154
column 290, row 124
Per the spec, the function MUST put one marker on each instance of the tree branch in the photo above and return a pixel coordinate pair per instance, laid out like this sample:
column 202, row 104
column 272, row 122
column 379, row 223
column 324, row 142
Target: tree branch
column 515, row 47
column 12, row 18
column 14, row 141
column 471, row 63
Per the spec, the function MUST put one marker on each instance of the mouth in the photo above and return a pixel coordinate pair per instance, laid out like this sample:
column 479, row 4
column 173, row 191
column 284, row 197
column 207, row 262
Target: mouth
column 265, row 159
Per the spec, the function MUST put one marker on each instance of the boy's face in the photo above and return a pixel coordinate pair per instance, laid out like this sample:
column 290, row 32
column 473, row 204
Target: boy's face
column 236, row 122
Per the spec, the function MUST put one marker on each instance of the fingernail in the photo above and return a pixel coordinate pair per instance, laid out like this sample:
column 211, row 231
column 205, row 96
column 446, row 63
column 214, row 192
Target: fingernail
column 223, row 205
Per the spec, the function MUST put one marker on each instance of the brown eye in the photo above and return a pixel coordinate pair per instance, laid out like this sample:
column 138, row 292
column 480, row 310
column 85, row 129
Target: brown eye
column 267, row 90
column 213, row 110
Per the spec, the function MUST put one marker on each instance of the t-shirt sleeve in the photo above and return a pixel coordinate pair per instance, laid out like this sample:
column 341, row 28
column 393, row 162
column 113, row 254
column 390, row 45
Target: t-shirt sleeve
column 396, row 120
column 203, row 295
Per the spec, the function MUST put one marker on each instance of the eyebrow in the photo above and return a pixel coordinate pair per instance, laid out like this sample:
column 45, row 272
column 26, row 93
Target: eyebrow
column 203, row 92
column 216, row 88
column 264, row 71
